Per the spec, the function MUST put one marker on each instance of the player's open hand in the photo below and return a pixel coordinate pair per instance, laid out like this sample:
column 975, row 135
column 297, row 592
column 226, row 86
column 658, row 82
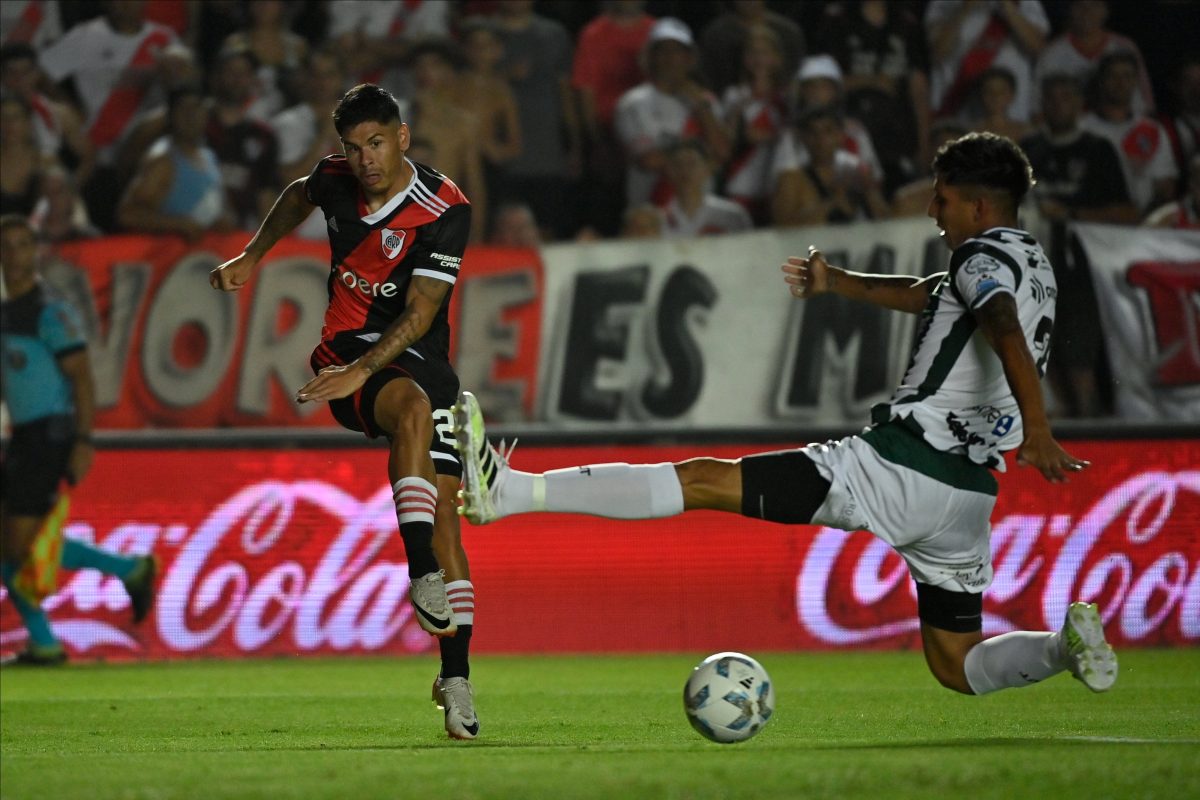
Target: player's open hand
column 807, row 277
column 332, row 383
column 1047, row 456
column 233, row 274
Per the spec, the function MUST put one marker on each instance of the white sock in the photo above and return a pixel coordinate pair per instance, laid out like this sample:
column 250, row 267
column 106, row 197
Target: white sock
column 461, row 595
column 1019, row 658
column 616, row 491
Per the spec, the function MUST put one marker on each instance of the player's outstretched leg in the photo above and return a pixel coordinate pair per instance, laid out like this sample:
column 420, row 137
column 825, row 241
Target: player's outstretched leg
column 492, row 489
column 1089, row 657
column 456, row 697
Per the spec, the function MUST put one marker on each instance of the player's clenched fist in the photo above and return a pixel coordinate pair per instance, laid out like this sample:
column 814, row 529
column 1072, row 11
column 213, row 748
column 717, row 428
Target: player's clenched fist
column 807, row 277
column 233, row 274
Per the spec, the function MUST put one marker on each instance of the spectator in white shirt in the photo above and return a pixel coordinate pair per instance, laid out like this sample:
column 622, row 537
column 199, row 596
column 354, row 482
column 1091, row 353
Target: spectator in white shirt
column 1078, row 52
column 967, row 37
column 668, row 107
column 1140, row 142
column 819, row 85
column 693, row 209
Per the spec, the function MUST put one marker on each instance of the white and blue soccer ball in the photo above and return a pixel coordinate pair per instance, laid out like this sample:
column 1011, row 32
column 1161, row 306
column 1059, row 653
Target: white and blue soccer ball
column 729, row 698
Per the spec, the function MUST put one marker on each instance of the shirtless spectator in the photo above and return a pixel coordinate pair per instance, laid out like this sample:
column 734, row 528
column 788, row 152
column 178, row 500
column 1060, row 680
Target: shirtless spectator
column 57, row 126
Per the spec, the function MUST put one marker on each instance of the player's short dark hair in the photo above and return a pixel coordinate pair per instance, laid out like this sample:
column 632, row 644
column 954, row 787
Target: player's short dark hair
column 991, row 162
column 365, row 103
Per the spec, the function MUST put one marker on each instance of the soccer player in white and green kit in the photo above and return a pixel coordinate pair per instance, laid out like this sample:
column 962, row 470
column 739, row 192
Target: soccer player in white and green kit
column 920, row 477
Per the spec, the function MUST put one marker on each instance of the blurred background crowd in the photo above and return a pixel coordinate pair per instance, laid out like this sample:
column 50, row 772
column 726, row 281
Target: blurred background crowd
column 573, row 121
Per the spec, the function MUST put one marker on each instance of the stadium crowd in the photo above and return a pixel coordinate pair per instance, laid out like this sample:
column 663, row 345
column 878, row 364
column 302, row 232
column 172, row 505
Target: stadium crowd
column 581, row 120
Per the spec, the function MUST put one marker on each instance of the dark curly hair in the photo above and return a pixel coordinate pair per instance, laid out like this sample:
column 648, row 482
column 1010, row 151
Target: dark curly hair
column 365, row 103
column 985, row 160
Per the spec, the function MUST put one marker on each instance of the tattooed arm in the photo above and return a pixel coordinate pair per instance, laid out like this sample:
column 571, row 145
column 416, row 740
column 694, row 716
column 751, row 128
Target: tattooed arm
column 998, row 321
column 811, row 276
column 425, row 297
column 289, row 210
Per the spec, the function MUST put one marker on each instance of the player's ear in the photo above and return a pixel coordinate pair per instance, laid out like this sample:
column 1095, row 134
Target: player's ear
column 403, row 136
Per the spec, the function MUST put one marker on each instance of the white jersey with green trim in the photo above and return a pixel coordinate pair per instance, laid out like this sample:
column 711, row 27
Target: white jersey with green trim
column 954, row 388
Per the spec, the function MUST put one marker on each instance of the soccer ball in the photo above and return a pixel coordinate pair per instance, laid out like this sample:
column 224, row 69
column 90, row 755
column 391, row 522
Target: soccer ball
column 728, row 698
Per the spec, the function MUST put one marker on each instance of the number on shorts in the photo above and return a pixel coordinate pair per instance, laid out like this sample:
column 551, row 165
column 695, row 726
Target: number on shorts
column 443, row 427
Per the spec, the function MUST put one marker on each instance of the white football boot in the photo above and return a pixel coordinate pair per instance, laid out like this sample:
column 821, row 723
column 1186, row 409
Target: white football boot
column 428, row 597
column 456, row 697
column 484, row 467
column 1089, row 657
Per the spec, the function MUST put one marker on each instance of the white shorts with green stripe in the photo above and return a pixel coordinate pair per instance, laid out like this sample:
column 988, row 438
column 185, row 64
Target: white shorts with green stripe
column 933, row 508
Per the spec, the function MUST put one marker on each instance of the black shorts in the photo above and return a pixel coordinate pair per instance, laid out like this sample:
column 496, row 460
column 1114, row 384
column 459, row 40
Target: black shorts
column 357, row 412
column 784, row 486
column 35, row 463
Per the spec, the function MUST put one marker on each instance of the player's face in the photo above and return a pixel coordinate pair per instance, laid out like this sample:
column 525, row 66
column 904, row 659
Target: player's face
column 958, row 215
column 375, row 152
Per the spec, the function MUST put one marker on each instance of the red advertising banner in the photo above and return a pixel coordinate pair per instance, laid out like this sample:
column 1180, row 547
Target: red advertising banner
column 296, row 552
column 168, row 351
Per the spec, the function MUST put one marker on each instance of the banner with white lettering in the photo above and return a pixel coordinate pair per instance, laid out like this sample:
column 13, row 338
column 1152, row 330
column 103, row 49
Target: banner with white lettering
column 703, row 332
column 168, row 351
column 295, row 552
column 1148, row 289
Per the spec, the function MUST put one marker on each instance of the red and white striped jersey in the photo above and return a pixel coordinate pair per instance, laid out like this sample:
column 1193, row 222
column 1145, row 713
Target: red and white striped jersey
column 374, row 256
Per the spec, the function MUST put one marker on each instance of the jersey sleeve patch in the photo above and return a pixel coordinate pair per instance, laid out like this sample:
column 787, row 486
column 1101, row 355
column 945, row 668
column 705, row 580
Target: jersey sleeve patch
column 61, row 329
column 980, row 276
column 448, row 242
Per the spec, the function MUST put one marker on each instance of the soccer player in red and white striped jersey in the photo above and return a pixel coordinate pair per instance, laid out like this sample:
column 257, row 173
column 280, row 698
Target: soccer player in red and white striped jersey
column 397, row 232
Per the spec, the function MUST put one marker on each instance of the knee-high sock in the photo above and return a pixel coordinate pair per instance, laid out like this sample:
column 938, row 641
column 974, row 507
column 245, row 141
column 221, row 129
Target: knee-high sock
column 1019, row 658
column 456, row 649
column 455, row 652
column 617, row 491
column 81, row 555
column 416, row 501
column 35, row 619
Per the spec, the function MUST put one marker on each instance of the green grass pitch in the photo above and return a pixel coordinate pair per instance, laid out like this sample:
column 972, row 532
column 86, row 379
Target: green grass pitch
column 846, row 725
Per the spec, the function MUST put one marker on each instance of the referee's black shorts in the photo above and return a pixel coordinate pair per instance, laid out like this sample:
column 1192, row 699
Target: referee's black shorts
column 35, row 464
